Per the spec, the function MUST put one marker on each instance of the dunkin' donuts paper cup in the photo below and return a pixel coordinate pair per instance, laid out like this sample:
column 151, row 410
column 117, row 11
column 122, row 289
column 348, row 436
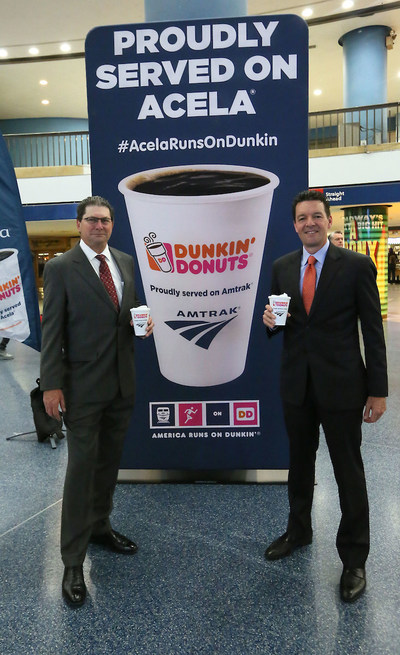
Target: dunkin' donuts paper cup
column 140, row 316
column 280, row 306
column 199, row 233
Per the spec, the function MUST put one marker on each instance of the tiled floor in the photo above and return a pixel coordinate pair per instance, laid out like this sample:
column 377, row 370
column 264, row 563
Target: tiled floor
column 199, row 583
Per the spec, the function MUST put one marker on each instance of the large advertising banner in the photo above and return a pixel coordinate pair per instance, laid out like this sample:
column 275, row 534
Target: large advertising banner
column 199, row 138
column 19, row 307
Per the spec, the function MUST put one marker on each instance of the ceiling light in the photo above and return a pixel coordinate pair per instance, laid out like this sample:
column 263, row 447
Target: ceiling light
column 317, row 92
column 347, row 4
column 45, row 102
column 33, row 51
column 307, row 12
column 65, row 47
column 43, row 82
column 3, row 52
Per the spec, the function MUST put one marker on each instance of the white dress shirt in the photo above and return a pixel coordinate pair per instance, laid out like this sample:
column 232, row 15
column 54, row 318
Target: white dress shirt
column 116, row 275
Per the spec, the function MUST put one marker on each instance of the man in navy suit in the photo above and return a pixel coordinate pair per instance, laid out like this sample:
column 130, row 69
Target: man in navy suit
column 87, row 371
column 324, row 381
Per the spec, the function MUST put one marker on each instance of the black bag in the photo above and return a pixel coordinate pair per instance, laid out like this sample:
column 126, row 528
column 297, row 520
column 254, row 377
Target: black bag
column 46, row 426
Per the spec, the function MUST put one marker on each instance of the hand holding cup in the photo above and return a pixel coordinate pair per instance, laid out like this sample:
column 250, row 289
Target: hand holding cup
column 276, row 312
column 142, row 321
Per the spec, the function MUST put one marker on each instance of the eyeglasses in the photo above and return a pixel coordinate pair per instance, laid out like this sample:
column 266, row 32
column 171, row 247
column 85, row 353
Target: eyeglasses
column 93, row 221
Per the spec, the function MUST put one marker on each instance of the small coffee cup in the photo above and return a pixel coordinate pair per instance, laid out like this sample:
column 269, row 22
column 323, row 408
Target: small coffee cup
column 280, row 306
column 140, row 316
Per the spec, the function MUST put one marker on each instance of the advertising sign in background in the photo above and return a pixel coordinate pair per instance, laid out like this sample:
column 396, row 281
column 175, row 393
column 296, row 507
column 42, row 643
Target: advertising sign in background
column 199, row 138
column 366, row 224
column 19, row 307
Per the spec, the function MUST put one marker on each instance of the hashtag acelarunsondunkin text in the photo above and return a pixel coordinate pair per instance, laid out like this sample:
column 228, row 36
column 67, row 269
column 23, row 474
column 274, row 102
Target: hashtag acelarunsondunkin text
column 123, row 146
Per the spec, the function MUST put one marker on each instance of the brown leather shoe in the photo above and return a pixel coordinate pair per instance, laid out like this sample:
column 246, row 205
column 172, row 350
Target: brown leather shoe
column 352, row 584
column 73, row 586
column 284, row 546
column 114, row 541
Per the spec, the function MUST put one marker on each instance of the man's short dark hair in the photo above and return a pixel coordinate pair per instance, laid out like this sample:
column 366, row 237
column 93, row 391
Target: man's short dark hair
column 310, row 194
column 98, row 201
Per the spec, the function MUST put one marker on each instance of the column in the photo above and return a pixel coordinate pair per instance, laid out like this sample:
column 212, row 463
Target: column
column 365, row 83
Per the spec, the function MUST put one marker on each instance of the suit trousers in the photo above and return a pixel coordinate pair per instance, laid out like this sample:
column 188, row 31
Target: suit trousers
column 95, row 436
column 342, row 431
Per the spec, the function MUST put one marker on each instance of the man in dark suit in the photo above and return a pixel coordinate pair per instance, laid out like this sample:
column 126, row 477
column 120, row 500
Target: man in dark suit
column 324, row 380
column 87, row 371
column 336, row 238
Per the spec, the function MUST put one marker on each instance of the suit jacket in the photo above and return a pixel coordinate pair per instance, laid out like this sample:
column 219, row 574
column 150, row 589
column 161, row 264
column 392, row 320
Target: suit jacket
column 87, row 346
column 325, row 343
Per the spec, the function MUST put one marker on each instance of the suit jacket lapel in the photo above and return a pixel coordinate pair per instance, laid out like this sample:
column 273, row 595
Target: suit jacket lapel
column 294, row 273
column 328, row 273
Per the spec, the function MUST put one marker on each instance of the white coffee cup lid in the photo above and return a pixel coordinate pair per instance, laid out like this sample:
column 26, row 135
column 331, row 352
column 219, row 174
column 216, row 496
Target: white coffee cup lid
column 141, row 308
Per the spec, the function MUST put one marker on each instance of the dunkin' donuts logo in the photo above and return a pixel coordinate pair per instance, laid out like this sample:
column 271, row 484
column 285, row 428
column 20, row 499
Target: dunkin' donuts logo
column 10, row 288
column 197, row 258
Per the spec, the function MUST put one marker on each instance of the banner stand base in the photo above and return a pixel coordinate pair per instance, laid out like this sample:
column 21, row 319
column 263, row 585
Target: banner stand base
column 249, row 476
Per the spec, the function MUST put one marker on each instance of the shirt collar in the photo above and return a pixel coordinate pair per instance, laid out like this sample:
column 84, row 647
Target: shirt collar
column 319, row 255
column 91, row 254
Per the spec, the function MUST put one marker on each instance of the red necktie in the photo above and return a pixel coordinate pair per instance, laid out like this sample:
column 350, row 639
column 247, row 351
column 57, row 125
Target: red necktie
column 310, row 277
column 106, row 278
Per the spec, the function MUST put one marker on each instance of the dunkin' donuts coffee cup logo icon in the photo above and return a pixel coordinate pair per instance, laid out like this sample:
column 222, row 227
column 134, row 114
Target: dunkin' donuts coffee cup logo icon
column 204, row 225
column 157, row 254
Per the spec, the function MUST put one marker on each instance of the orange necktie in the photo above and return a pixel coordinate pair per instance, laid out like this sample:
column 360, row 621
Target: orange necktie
column 106, row 278
column 310, row 277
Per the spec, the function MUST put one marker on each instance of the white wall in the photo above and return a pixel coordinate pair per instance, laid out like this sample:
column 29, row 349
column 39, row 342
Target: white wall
column 363, row 168
column 69, row 188
column 337, row 170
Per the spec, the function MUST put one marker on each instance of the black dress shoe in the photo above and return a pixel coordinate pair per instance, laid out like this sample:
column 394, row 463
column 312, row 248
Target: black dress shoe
column 114, row 541
column 73, row 586
column 284, row 546
column 352, row 584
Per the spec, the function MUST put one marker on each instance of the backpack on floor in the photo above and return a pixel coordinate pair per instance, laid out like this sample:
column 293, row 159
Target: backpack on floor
column 45, row 425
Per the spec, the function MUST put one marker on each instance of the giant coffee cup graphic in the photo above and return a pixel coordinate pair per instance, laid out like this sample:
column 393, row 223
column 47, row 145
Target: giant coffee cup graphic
column 199, row 233
column 13, row 317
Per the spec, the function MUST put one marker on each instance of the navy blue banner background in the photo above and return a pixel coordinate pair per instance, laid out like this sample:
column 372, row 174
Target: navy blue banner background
column 363, row 194
column 119, row 147
column 13, row 235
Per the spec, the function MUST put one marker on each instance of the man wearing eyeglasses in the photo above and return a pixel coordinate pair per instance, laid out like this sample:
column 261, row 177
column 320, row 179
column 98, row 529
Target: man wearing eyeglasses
column 87, row 372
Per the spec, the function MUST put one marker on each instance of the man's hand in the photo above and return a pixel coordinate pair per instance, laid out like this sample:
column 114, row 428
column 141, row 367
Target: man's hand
column 149, row 328
column 53, row 400
column 374, row 408
column 269, row 317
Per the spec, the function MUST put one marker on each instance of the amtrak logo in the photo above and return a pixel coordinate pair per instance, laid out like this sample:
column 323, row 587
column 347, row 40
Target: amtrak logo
column 202, row 333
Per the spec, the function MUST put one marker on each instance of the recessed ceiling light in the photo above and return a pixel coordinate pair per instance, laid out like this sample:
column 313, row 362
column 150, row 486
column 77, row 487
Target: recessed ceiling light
column 45, row 102
column 307, row 12
column 65, row 47
column 43, row 82
column 347, row 4
column 33, row 51
column 317, row 92
column 3, row 52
